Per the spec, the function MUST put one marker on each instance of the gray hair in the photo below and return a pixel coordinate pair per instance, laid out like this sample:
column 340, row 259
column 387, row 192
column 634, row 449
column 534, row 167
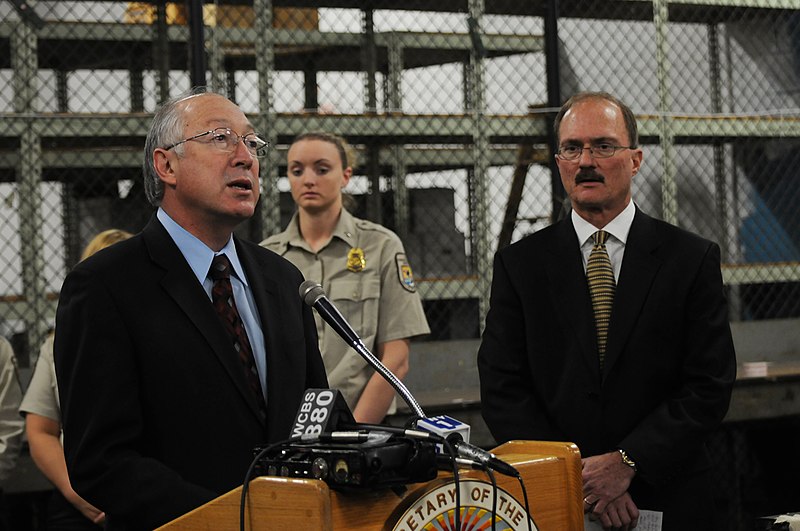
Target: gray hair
column 166, row 129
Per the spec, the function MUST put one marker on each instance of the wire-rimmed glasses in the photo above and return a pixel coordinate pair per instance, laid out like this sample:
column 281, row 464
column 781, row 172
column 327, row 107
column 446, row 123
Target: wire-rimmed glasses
column 602, row 150
column 226, row 139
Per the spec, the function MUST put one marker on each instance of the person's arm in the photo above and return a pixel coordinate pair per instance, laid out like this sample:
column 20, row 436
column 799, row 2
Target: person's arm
column 508, row 402
column 399, row 318
column 377, row 397
column 48, row 454
column 620, row 514
column 674, row 432
column 102, row 411
column 605, row 478
column 11, row 424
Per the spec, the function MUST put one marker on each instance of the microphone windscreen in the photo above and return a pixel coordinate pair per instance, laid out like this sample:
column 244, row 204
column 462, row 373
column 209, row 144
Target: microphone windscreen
column 311, row 291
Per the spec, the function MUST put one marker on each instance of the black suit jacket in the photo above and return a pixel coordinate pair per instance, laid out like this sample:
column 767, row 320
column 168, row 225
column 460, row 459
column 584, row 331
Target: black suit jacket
column 669, row 364
column 157, row 415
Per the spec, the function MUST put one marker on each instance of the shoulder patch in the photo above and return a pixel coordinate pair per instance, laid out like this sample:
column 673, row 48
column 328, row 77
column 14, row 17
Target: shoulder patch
column 404, row 273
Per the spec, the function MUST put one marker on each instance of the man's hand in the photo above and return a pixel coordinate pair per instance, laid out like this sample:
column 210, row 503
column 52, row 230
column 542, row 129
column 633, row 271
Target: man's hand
column 605, row 478
column 620, row 515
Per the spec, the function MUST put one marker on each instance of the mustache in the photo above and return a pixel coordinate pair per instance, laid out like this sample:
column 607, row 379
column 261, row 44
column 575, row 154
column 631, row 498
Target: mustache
column 588, row 175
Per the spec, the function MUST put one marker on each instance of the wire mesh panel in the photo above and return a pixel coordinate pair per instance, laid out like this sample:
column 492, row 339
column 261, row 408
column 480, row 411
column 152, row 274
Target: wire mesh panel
column 448, row 105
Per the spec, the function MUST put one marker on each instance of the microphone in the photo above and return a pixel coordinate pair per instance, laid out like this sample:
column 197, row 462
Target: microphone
column 313, row 295
column 457, row 434
column 473, row 453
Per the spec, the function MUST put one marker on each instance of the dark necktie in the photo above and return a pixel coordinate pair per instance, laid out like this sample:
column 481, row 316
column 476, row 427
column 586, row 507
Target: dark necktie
column 225, row 306
column 600, row 275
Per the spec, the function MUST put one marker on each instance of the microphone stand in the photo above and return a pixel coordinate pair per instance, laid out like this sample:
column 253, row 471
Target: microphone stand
column 398, row 385
column 313, row 295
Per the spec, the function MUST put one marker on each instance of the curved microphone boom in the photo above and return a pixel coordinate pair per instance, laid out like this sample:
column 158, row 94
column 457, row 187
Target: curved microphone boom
column 454, row 431
column 313, row 295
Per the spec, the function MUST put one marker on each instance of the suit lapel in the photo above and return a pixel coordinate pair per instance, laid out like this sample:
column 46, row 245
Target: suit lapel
column 180, row 284
column 639, row 268
column 567, row 280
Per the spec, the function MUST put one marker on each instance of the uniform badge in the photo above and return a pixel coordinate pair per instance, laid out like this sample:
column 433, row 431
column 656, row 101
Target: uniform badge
column 356, row 261
column 404, row 273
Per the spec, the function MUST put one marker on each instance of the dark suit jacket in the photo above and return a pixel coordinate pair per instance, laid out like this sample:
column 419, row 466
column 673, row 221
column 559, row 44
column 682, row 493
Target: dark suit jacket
column 669, row 365
column 157, row 415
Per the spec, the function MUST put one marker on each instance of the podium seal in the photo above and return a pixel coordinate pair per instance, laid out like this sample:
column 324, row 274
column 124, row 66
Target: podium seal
column 435, row 510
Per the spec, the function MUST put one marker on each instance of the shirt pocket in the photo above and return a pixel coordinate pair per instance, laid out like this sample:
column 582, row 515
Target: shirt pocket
column 358, row 301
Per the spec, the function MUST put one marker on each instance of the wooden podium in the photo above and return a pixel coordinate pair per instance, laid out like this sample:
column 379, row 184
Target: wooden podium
column 551, row 472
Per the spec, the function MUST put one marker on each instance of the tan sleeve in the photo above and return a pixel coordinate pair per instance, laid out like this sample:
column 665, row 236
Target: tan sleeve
column 400, row 312
column 11, row 424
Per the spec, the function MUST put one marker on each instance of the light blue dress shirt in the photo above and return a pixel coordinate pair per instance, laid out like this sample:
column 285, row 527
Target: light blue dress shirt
column 199, row 257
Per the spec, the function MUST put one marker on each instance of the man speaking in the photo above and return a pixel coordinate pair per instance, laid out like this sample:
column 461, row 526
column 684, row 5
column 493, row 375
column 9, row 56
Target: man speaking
column 181, row 349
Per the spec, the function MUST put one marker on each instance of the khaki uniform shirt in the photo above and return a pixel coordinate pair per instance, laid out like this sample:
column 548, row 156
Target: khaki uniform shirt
column 365, row 273
column 41, row 398
column 11, row 424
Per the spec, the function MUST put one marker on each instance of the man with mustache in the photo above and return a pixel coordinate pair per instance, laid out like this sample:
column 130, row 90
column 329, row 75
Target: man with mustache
column 610, row 329
column 184, row 347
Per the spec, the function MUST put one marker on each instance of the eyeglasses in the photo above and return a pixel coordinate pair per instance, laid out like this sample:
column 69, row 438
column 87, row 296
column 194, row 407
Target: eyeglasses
column 598, row 151
column 227, row 140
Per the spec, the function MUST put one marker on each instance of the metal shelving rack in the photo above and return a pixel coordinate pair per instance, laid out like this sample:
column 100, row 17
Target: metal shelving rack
column 34, row 144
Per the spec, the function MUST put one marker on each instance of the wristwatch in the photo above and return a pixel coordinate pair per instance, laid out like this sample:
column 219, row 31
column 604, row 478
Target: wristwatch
column 627, row 460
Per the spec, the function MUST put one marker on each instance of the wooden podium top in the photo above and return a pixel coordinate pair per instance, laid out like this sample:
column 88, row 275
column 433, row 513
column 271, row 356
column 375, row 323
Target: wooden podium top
column 551, row 472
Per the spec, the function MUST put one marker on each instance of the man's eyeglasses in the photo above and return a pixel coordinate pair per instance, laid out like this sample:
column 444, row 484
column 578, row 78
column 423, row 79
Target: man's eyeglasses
column 598, row 151
column 227, row 140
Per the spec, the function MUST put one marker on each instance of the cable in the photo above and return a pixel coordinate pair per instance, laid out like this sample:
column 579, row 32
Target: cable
column 490, row 473
column 453, row 455
column 451, row 451
column 408, row 432
column 249, row 474
column 527, row 507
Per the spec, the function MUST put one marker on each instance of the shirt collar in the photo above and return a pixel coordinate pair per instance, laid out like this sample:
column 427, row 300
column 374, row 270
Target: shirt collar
column 345, row 230
column 619, row 227
column 197, row 253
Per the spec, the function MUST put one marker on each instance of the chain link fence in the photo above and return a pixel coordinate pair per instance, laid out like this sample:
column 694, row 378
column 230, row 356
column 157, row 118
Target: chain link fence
column 449, row 111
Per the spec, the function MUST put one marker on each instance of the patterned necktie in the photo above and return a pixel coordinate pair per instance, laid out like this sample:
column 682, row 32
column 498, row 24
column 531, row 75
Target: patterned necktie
column 600, row 275
column 225, row 306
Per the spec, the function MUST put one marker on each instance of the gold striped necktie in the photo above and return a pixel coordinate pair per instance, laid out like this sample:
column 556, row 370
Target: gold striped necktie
column 600, row 275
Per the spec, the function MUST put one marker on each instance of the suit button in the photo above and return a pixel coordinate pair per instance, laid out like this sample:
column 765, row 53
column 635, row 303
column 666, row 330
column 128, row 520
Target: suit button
column 594, row 395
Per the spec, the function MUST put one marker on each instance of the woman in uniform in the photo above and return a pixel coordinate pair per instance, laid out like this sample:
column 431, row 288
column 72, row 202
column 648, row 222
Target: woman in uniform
column 362, row 267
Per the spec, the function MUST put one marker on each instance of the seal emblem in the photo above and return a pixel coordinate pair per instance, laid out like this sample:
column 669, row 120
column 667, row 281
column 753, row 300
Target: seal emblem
column 435, row 510
column 404, row 273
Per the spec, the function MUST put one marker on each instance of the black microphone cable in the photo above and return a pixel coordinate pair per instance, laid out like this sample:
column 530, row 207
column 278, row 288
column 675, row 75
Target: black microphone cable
column 248, row 476
column 492, row 478
column 527, row 507
column 408, row 432
column 453, row 455
column 422, row 434
column 490, row 473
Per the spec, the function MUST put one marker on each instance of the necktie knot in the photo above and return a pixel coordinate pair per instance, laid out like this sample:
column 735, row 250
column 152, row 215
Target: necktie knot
column 220, row 268
column 600, row 237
